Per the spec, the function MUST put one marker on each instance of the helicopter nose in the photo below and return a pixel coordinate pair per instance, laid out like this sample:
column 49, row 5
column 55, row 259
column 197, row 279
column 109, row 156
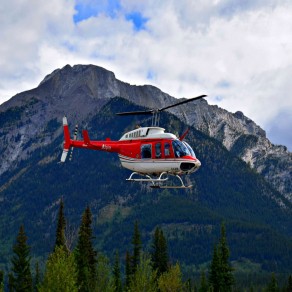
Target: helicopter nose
column 190, row 166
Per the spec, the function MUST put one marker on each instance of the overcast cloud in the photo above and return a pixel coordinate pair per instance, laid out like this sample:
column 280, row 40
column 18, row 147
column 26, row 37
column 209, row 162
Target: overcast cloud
column 237, row 52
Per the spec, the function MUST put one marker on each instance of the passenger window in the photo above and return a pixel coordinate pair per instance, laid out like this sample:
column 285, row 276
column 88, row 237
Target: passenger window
column 166, row 149
column 146, row 151
column 158, row 150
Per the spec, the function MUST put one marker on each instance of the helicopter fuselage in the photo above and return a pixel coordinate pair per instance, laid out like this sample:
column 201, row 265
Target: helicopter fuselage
column 147, row 150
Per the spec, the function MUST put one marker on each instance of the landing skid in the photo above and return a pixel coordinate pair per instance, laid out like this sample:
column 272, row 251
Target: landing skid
column 157, row 183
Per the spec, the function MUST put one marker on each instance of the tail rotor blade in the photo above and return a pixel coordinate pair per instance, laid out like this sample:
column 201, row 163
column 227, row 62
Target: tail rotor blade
column 74, row 138
column 64, row 155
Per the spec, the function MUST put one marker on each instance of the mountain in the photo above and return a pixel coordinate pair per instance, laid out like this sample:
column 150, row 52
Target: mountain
column 257, row 216
column 245, row 139
column 89, row 87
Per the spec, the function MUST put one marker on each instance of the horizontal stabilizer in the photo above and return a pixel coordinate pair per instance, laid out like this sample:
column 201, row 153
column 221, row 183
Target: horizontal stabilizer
column 86, row 137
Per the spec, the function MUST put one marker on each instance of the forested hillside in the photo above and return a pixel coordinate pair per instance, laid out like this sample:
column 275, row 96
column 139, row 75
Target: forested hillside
column 257, row 217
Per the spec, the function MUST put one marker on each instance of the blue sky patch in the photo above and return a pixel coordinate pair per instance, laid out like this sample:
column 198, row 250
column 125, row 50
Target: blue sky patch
column 138, row 20
column 218, row 98
column 93, row 8
column 151, row 75
column 223, row 84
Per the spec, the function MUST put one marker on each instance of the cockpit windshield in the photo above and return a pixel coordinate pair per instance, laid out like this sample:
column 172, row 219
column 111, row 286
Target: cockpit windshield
column 190, row 149
column 180, row 149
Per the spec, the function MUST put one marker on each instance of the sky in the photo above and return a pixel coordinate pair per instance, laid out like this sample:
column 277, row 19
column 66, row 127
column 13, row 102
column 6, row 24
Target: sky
column 237, row 52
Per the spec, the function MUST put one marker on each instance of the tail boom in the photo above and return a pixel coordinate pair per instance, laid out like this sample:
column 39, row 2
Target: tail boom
column 107, row 146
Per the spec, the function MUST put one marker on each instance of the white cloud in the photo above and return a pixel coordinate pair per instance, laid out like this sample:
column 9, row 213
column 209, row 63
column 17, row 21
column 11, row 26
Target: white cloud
column 240, row 52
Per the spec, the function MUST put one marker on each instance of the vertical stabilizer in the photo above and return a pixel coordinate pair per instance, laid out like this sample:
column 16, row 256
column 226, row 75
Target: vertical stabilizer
column 67, row 140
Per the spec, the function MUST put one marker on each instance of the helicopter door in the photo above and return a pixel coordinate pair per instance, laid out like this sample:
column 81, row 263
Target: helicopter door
column 158, row 150
column 146, row 151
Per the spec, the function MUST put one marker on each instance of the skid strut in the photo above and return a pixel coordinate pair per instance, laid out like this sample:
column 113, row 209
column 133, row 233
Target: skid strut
column 158, row 182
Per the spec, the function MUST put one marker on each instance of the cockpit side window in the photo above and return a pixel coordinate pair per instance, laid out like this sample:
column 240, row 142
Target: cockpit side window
column 166, row 149
column 180, row 149
column 146, row 151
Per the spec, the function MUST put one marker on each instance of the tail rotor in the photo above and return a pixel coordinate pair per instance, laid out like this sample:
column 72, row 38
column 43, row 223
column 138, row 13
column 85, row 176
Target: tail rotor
column 74, row 138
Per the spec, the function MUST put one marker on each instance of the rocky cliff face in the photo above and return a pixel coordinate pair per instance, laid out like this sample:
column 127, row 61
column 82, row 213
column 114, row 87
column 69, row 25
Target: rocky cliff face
column 244, row 138
column 81, row 90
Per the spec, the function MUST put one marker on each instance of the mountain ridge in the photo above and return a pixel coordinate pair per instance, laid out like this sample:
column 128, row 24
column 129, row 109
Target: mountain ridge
column 89, row 87
column 225, row 189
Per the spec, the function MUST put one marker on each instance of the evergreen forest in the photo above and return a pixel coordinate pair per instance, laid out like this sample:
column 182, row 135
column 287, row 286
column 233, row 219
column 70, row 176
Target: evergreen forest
column 81, row 226
column 82, row 268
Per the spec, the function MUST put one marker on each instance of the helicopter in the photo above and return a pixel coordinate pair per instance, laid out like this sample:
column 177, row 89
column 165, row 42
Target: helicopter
column 149, row 152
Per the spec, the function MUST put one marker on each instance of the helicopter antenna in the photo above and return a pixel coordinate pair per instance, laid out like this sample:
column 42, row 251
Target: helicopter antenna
column 155, row 112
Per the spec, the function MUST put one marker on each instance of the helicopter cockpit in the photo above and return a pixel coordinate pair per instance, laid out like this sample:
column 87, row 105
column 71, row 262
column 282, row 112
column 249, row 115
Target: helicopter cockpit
column 181, row 149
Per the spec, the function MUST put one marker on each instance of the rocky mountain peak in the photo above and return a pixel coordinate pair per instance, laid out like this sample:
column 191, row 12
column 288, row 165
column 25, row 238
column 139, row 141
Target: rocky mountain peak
column 81, row 90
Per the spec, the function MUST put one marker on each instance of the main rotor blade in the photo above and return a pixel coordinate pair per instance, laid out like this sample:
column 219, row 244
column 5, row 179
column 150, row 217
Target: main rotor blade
column 150, row 112
column 182, row 102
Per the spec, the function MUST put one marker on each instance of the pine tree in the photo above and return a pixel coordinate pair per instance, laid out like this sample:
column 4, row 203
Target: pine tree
column 220, row 274
column 204, row 287
column 117, row 274
column 137, row 246
column 10, row 282
column 273, row 285
column 189, row 287
column 289, row 286
column 104, row 279
column 1, row 281
column 214, row 272
column 227, row 279
column 159, row 254
column 36, row 278
column 61, row 225
column 21, row 279
column 128, row 269
column 85, row 254
column 61, row 272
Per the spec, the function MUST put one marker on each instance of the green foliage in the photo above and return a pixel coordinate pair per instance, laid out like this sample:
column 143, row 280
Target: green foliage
column 214, row 273
column 13, row 115
column 273, row 285
column 221, row 278
column 117, row 274
column 159, row 253
column 104, row 279
column 225, row 267
column 289, row 285
column 128, row 269
column 144, row 278
column 61, row 272
column 11, row 282
column 10, row 116
column 61, row 225
column 85, row 254
column 224, row 188
column 204, row 287
column 21, row 279
column 242, row 143
column 137, row 245
column 1, row 281
column 37, row 278
column 171, row 280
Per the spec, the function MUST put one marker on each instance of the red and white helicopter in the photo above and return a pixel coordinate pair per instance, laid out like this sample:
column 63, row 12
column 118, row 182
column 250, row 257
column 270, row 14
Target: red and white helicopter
column 149, row 152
